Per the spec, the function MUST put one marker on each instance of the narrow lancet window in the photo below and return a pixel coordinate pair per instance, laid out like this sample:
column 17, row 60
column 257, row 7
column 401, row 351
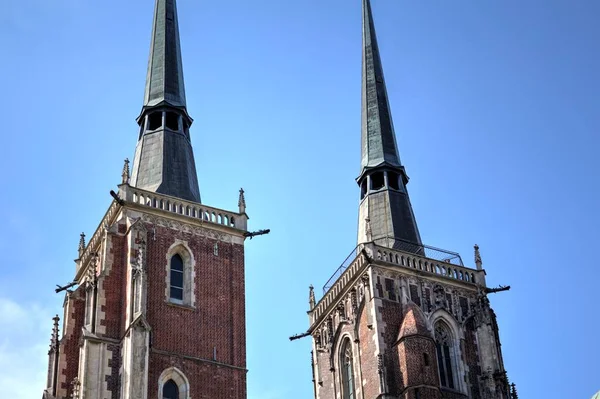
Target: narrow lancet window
column 176, row 289
column 348, row 389
column 443, row 344
column 170, row 390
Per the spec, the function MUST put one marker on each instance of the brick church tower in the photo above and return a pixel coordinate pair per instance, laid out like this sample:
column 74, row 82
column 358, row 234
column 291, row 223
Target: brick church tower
column 400, row 319
column 157, row 304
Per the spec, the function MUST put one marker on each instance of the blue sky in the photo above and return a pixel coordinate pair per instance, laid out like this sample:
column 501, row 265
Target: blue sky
column 496, row 110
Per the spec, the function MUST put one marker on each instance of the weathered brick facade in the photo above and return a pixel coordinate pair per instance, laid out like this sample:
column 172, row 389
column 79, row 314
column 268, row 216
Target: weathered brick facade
column 124, row 333
column 401, row 331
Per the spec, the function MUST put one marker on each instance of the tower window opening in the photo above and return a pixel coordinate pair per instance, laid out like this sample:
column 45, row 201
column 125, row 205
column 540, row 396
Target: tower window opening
column 170, row 390
column 172, row 121
column 155, row 121
column 363, row 189
column 176, row 289
column 393, row 180
column 377, row 181
column 348, row 388
column 426, row 359
column 443, row 344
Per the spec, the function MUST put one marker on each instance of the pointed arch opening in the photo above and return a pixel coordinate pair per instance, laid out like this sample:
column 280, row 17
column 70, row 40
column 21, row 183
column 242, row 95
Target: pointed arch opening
column 180, row 275
column 173, row 384
column 347, row 370
column 170, row 390
column 445, row 355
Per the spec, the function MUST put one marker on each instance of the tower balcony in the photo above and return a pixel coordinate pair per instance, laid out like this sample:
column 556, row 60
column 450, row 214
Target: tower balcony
column 415, row 258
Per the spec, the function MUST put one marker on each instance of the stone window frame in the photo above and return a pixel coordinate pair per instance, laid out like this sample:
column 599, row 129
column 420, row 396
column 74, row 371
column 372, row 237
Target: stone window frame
column 182, row 249
column 458, row 367
column 183, row 384
column 345, row 343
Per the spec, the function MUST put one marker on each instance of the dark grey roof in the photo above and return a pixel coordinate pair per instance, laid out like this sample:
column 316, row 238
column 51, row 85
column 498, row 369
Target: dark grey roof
column 378, row 139
column 164, row 160
column 164, row 82
column 385, row 212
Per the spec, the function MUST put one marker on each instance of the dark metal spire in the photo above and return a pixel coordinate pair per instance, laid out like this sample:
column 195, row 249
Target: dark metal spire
column 164, row 161
column 385, row 213
column 378, row 138
column 164, row 82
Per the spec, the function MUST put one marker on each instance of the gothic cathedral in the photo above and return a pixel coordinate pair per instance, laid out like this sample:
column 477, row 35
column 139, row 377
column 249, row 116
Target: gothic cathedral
column 157, row 305
column 400, row 319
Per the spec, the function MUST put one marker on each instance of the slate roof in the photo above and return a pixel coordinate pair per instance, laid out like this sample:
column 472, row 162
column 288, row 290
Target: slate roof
column 377, row 138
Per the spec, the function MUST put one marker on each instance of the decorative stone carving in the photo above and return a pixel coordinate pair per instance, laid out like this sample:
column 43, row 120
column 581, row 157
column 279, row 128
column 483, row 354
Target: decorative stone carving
column 483, row 312
column 242, row 202
column 439, row 296
column 81, row 246
column 311, row 297
column 368, row 231
column 186, row 228
column 125, row 173
column 478, row 261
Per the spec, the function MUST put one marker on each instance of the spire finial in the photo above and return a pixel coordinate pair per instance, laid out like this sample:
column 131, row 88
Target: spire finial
column 513, row 391
column 478, row 261
column 81, row 247
column 242, row 201
column 54, row 337
column 311, row 297
column 125, row 173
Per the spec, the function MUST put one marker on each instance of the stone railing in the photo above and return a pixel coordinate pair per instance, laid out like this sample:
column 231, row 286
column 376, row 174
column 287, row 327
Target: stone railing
column 356, row 267
column 183, row 207
column 379, row 254
column 427, row 265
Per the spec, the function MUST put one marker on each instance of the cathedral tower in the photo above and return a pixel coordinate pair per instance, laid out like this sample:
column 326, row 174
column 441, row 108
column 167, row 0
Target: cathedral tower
column 157, row 304
column 400, row 319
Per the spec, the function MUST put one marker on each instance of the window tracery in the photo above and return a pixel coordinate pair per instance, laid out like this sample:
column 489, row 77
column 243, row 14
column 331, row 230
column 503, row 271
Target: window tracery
column 347, row 370
column 444, row 348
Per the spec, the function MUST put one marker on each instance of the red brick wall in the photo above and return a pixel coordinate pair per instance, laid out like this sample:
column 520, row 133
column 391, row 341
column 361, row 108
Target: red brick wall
column 69, row 344
column 218, row 319
column 207, row 381
column 415, row 372
column 368, row 358
column 113, row 285
column 391, row 314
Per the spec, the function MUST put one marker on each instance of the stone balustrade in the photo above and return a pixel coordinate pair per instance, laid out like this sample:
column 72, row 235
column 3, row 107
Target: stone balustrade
column 427, row 265
column 372, row 252
column 185, row 208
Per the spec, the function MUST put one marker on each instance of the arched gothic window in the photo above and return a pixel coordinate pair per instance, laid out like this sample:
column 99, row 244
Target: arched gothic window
column 176, row 289
column 443, row 344
column 173, row 384
column 170, row 390
column 347, row 369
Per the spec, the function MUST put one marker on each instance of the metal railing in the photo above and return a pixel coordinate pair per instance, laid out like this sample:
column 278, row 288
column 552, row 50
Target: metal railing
column 340, row 270
column 419, row 249
column 398, row 244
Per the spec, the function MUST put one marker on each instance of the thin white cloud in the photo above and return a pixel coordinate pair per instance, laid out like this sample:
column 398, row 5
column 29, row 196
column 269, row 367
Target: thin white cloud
column 23, row 349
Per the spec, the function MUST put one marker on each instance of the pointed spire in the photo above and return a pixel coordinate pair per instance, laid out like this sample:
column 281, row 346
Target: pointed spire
column 311, row 297
column 513, row 391
column 164, row 160
column 385, row 214
column 81, row 247
column 378, row 138
column 242, row 202
column 478, row 261
column 125, row 173
column 164, row 82
column 54, row 337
